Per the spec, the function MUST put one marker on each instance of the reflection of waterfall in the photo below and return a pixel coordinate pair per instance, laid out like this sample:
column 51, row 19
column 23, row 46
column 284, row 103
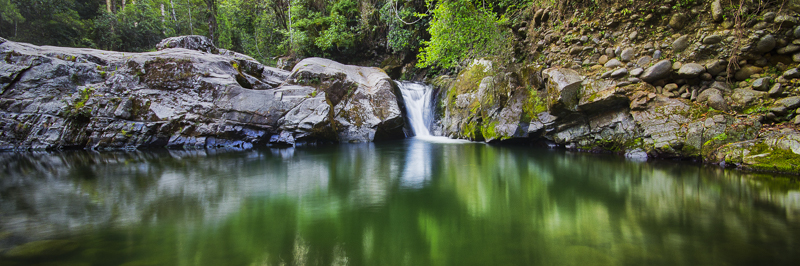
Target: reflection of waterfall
column 418, row 168
column 417, row 97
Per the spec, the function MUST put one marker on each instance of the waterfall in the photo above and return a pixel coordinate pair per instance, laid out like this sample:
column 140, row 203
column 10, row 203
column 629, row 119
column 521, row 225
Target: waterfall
column 417, row 97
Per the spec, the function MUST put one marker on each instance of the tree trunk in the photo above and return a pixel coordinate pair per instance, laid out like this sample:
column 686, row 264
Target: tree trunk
column 191, row 28
column 212, row 20
column 174, row 18
column 110, row 6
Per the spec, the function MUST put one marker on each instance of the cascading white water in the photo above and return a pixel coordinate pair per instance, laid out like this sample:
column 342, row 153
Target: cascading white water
column 417, row 97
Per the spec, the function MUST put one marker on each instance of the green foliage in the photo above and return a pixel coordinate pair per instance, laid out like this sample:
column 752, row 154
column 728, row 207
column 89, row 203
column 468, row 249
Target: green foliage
column 461, row 29
column 77, row 109
column 405, row 26
column 9, row 12
column 136, row 28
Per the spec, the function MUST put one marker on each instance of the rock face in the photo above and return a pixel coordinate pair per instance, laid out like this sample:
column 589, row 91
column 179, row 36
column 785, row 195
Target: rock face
column 56, row 98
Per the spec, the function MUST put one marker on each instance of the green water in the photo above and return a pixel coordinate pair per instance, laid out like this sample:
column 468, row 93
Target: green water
column 408, row 202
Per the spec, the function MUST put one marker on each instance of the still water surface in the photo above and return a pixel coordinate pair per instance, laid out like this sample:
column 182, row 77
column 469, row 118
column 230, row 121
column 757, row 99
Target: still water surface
column 409, row 202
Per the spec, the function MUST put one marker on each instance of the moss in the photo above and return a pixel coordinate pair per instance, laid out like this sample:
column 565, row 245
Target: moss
column 776, row 159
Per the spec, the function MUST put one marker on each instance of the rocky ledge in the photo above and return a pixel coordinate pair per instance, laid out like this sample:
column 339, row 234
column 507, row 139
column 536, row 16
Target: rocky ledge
column 56, row 98
column 646, row 82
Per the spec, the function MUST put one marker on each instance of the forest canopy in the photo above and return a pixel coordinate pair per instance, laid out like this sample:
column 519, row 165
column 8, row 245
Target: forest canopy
column 435, row 33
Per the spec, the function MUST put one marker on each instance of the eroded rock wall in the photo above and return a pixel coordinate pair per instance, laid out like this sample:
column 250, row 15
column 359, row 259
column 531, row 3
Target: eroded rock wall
column 55, row 97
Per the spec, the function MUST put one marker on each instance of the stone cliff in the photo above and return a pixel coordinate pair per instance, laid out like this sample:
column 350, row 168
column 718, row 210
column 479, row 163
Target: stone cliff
column 678, row 79
column 55, row 98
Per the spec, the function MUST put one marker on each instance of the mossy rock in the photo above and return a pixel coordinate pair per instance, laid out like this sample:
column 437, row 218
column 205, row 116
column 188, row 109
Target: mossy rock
column 42, row 248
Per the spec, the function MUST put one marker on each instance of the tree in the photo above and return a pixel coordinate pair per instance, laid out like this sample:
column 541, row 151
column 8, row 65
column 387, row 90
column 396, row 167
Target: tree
column 10, row 14
column 461, row 29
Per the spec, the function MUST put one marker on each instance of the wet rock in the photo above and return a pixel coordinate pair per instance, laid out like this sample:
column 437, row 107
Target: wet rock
column 613, row 63
column 659, row 70
column 765, row 44
column 284, row 139
column 691, row 70
column 746, row 72
column 626, row 55
column 762, row 84
column 681, row 43
column 678, row 21
column 42, row 249
column 716, row 11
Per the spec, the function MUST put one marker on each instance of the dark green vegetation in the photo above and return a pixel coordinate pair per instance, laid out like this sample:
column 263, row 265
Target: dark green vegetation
column 402, row 203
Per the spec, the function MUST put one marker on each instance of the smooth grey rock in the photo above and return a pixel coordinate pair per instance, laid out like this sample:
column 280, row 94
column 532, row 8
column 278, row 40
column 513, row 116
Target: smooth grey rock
column 762, row 84
column 792, row 73
column 637, row 71
column 797, row 32
column 716, row 11
column 789, row 49
column 712, row 39
column 644, row 61
column 619, row 73
column 769, row 17
column 691, row 70
column 765, row 44
column 627, row 55
column 681, row 43
column 796, row 57
column 613, row 63
column 659, row 70
column 789, row 102
column 776, row 90
column 657, row 55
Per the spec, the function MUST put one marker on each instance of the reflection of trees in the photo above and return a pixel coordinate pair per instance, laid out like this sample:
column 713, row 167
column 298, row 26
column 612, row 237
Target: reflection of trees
column 369, row 205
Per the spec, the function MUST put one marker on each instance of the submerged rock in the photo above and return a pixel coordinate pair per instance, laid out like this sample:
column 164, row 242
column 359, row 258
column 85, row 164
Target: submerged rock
column 41, row 249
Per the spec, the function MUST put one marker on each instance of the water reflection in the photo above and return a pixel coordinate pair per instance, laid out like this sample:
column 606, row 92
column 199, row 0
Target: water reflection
column 412, row 202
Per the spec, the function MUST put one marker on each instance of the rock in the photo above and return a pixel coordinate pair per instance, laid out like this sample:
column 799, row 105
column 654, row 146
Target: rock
column 644, row 61
column 716, row 11
column 671, row 87
column 714, row 67
column 626, row 55
column 561, row 87
column 42, row 249
column 796, row 58
column 659, row 70
column 691, row 70
column 186, row 98
column 769, row 17
column 681, row 43
column 786, row 21
column 619, row 73
column 797, row 32
column 610, row 52
column 613, row 63
column 284, row 139
column 776, row 90
column 789, row 102
column 762, row 84
column 722, row 86
column 637, row 71
column 745, row 97
column 602, row 60
column 657, row 54
column 678, row 21
column 765, row 44
column 789, row 49
column 792, row 73
column 191, row 42
column 746, row 72
column 712, row 39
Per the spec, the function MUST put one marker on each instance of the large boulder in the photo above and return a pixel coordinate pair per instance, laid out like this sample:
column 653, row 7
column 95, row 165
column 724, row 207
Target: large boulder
column 562, row 86
column 362, row 99
column 55, row 97
column 191, row 42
